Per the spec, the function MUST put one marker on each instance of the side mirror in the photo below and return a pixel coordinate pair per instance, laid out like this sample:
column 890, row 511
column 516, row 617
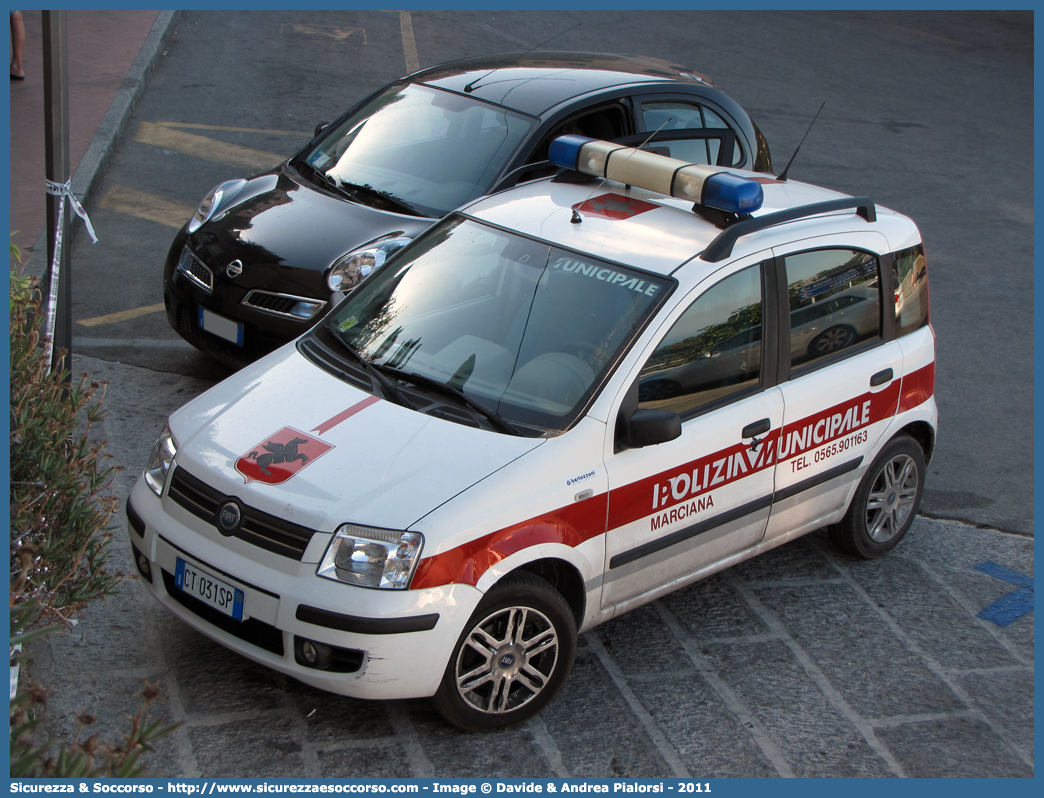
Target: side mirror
column 320, row 128
column 648, row 427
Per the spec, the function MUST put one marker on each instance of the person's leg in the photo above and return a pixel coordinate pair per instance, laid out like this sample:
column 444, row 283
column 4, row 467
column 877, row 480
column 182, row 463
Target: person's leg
column 17, row 45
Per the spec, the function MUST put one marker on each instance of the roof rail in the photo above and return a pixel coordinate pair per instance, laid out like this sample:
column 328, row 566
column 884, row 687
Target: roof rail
column 721, row 247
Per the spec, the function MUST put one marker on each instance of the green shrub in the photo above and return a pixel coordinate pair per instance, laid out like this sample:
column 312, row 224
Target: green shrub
column 61, row 503
column 61, row 513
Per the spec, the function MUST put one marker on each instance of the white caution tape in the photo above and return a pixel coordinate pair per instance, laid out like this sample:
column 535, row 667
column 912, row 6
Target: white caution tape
column 63, row 190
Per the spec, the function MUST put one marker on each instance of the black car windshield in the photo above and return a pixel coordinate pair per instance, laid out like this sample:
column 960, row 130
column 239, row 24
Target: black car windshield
column 524, row 329
column 431, row 149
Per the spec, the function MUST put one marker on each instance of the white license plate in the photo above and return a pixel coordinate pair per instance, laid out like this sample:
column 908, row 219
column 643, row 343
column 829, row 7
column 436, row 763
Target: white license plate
column 209, row 589
column 220, row 326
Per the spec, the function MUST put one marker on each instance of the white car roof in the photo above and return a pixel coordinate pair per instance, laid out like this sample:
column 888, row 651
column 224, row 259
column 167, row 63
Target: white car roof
column 649, row 230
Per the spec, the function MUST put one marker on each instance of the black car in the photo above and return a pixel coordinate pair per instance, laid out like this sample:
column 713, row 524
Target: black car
column 261, row 260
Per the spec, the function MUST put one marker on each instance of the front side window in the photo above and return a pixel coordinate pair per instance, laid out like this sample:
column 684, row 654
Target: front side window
column 835, row 302
column 712, row 352
column 525, row 329
column 430, row 149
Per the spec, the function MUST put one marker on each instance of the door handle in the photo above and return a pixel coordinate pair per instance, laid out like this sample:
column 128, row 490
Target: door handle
column 880, row 378
column 756, row 428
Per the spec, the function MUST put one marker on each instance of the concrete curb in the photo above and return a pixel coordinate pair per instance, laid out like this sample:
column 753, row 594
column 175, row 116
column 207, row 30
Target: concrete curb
column 111, row 129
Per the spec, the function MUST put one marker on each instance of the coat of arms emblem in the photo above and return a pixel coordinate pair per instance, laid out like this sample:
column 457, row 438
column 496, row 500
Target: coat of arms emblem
column 280, row 456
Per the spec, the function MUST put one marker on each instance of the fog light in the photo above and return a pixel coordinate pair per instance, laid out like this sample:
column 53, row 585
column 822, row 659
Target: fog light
column 309, row 652
column 305, row 310
column 142, row 564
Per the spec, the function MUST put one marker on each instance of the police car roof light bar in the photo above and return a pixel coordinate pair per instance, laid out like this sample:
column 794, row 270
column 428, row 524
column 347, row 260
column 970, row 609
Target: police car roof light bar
column 721, row 247
column 704, row 185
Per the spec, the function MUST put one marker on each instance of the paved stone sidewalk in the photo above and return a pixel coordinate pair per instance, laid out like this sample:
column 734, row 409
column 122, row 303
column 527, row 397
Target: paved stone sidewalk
column 801, row 662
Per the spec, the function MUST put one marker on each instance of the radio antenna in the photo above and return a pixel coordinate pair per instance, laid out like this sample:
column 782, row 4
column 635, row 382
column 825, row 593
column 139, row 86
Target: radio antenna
column 783, row 174
column 471, row 86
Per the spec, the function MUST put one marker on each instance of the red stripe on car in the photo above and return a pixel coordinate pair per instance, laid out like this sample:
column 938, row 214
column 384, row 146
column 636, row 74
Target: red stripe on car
column 330, row 423
column 918, row 388
column 570, row 525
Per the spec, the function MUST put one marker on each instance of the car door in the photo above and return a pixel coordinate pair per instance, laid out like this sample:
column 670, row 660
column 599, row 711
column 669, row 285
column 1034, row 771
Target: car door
column 844, row 375
column 606, row 119
column 679, row 506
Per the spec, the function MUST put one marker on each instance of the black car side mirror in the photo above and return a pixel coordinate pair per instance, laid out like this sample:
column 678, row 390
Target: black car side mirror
column 320, row 128
column 648, row 427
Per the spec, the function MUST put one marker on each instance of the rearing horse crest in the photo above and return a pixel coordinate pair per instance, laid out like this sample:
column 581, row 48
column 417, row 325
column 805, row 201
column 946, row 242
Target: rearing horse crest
column 279, row 453
column 280, row 456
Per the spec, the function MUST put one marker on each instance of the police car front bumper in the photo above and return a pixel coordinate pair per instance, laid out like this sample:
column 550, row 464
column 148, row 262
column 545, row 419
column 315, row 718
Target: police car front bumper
column 359, row 642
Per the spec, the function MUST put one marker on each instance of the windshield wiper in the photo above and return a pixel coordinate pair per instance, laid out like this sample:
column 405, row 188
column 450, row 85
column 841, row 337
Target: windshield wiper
column 491, row 416
column 389, row 387
column 375, row 193
column 352, row 190
column 327, row 181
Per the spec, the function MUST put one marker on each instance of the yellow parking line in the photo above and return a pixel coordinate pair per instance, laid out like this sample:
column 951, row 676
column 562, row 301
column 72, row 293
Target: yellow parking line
column 146, row 206
column 194, row 126
column 123, row 315
column 206, row 148
column 409, row 44
column 337, row 34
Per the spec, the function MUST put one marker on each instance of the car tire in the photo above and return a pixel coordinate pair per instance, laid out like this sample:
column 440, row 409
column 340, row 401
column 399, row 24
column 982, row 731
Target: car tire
column 886, row 501
column 832, row 339
column 512, row 658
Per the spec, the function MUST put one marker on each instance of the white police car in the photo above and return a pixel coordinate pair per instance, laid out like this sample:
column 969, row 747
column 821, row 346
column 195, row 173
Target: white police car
column 558, row 403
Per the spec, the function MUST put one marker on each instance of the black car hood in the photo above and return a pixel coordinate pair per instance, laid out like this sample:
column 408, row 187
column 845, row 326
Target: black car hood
column 277, row 224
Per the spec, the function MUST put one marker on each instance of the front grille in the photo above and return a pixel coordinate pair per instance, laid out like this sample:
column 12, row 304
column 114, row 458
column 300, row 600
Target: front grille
column 197, row 271
column 260, row 529
column 253, row 631
column 281, row 304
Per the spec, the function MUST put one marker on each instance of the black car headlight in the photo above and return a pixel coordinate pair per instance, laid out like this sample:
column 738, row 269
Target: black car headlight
column 351, row 269
column 211, row 202
column 368, row 557
column 160, row 459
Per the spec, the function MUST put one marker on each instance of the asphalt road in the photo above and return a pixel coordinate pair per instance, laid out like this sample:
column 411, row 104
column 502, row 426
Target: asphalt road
column 928, row 113
column 800, row 662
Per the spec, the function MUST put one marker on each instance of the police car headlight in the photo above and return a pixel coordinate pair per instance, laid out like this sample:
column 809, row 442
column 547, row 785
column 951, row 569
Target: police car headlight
column 356, row 266
column 369, row 557
column 159, row 461
column 210, row 203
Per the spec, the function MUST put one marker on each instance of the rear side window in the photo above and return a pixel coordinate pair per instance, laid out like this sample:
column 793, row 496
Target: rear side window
column 835, row 302
column 677, row 115
column 911, row 289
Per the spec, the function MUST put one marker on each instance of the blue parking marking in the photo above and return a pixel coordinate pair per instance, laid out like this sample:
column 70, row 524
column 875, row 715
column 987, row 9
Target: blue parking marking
column 1008, row 609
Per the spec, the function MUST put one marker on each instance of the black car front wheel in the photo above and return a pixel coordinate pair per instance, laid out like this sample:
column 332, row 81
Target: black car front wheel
column 512, row 659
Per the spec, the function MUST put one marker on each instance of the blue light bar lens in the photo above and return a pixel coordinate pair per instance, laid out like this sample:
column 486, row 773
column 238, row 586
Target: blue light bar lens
column 565, row 150
column 732, row 193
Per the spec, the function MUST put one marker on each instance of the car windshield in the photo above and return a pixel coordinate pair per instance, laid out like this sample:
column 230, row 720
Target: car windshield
column 430, row 149
column 525, row 330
